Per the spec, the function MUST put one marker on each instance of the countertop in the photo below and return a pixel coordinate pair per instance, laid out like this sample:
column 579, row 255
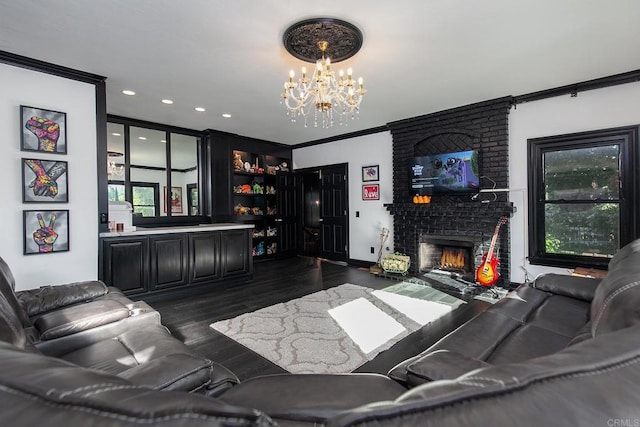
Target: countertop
column 141, row 231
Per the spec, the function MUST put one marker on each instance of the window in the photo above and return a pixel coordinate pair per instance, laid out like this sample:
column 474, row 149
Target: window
column 145, row 196
column 144, row 158
column 581, row 197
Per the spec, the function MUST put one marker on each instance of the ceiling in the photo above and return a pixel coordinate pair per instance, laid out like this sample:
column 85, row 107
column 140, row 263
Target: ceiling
column 418, row 56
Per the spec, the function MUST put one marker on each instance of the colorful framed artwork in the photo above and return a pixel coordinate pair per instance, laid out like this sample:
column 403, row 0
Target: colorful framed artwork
column 370, row 173
column 371, row 192
column 45, row 231
column 43, row 130
column 44, row 181
column 176, row 199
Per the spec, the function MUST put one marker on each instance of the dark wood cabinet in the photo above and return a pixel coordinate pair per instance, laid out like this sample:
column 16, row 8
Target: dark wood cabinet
column 155, row 263
column 126, row 264
column 204, row 249
column 168, row 259
column 286, row 220
column 236, row 253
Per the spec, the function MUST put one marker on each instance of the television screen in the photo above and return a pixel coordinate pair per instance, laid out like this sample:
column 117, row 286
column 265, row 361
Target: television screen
column 453, row 173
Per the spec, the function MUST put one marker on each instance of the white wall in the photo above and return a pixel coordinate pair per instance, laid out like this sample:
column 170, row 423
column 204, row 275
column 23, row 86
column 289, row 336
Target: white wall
column 364, row 231
column 19, row 86
column 591, row 110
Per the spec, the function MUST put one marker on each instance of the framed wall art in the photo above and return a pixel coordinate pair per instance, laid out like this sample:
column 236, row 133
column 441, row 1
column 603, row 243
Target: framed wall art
column 45, row 231
column 176, row 199
column 370, row 173
column 44, row 181
column 43, row 130
column 371, row 192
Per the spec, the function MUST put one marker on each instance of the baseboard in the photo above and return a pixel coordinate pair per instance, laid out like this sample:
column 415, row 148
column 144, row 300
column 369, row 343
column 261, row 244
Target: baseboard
column 360, row 263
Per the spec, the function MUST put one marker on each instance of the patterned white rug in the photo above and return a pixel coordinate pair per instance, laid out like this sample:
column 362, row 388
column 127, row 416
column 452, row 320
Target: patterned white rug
column 338, row 329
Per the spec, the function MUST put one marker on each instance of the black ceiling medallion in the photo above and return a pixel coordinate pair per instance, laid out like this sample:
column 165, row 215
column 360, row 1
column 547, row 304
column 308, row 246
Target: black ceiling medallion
column 301, row 39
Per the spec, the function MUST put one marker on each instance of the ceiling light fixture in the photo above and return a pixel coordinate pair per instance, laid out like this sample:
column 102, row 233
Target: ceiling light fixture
column 226, row 115
column 114, row 169
column 323, row 41
column 200, row 109
column 167, row 101
column 128, row 92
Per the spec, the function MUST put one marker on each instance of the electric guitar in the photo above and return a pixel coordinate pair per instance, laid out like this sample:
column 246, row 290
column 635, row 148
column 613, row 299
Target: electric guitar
column 487, row 273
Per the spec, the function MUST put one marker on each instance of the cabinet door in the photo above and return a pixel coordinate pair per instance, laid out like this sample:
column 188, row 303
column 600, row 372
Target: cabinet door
column 236, row 252
column 287, row 219
column 169, row 261
column 204, row 257
column 125, row 264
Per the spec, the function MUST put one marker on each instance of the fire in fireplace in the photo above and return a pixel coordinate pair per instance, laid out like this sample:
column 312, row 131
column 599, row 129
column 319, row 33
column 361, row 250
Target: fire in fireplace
column 454, row 258
column 446, row 254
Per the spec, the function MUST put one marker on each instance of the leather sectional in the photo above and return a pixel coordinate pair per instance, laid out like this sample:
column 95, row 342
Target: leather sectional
column 561, row 350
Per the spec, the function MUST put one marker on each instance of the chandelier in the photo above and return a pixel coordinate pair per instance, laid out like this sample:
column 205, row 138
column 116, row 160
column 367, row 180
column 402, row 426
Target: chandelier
column 112, row 167
column 323, row 93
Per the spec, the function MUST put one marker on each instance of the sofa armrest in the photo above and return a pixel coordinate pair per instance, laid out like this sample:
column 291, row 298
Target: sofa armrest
column 78, row 318
column 47, row 298
column 180, row 371
column 577, row 287
column 441, row 365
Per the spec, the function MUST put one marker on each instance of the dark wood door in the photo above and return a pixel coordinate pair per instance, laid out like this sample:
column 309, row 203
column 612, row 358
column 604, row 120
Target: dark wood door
column 333, row 213
column 286, row 220
column 204, row 257
column 125, row 264
column 236, row 253
column 169, row 261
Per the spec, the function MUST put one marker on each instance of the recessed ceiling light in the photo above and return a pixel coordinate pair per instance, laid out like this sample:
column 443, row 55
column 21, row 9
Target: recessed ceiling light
column 226, row 115
column 128, row 92
column 167, row 101
column 116, row 134
column 163, row 140
column 200, row 109
column 144, row 138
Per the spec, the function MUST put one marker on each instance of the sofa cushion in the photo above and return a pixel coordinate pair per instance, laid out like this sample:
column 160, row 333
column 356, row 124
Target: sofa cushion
column 616, row 303
column 311, row 398
column 441, row 364
column 77, row 318
column 40, row 390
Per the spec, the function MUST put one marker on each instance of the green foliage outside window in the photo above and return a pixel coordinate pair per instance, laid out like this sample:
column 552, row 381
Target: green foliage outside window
column 582, row 201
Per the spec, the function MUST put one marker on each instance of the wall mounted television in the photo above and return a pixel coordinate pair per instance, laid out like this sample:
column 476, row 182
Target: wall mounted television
column 446, row 173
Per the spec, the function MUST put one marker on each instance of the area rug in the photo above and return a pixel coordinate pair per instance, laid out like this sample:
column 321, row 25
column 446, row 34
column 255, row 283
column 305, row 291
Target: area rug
column 338, row 329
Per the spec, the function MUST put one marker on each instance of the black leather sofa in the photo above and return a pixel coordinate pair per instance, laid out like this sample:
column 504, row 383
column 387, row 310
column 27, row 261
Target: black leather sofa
column 559, row 351
column 95, row 326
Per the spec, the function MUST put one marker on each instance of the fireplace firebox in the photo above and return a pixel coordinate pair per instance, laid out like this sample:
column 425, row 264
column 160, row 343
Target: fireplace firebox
column 446, row 254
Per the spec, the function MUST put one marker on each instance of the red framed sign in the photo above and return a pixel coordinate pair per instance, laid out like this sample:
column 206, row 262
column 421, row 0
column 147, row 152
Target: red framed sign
column 371, row 192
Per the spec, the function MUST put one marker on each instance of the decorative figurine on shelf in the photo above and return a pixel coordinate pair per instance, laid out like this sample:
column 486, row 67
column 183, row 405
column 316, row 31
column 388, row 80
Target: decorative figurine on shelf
column 257, row 233
column 272, row 211
column 239, row 209
column 270, row 189
column 237, row 162
column 272, row 248
column 271, row 170
column 258, row 249
column 237, row 189
column 284, row 167
column 257, row 188
column 246, row 189
column 247, row 167
column 256, row 211
column 272, row 231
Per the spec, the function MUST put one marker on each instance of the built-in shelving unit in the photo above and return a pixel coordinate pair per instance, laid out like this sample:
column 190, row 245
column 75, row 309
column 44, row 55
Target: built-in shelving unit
column 256, row 196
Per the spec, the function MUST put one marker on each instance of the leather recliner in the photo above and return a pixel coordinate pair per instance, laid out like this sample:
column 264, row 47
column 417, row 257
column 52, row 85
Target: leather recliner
column 93, row 326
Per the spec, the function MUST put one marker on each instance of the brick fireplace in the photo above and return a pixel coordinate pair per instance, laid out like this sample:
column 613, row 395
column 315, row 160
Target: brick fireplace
column 461, row 222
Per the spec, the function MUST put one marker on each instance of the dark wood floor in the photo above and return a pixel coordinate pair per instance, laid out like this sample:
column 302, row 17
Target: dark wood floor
column 189, row 317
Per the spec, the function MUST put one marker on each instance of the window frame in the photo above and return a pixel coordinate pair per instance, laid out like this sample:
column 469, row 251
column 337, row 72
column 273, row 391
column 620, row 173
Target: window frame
column 627, row 138
column 153, row 185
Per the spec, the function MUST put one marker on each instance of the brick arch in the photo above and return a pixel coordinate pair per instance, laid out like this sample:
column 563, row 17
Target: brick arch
column 447, row 140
